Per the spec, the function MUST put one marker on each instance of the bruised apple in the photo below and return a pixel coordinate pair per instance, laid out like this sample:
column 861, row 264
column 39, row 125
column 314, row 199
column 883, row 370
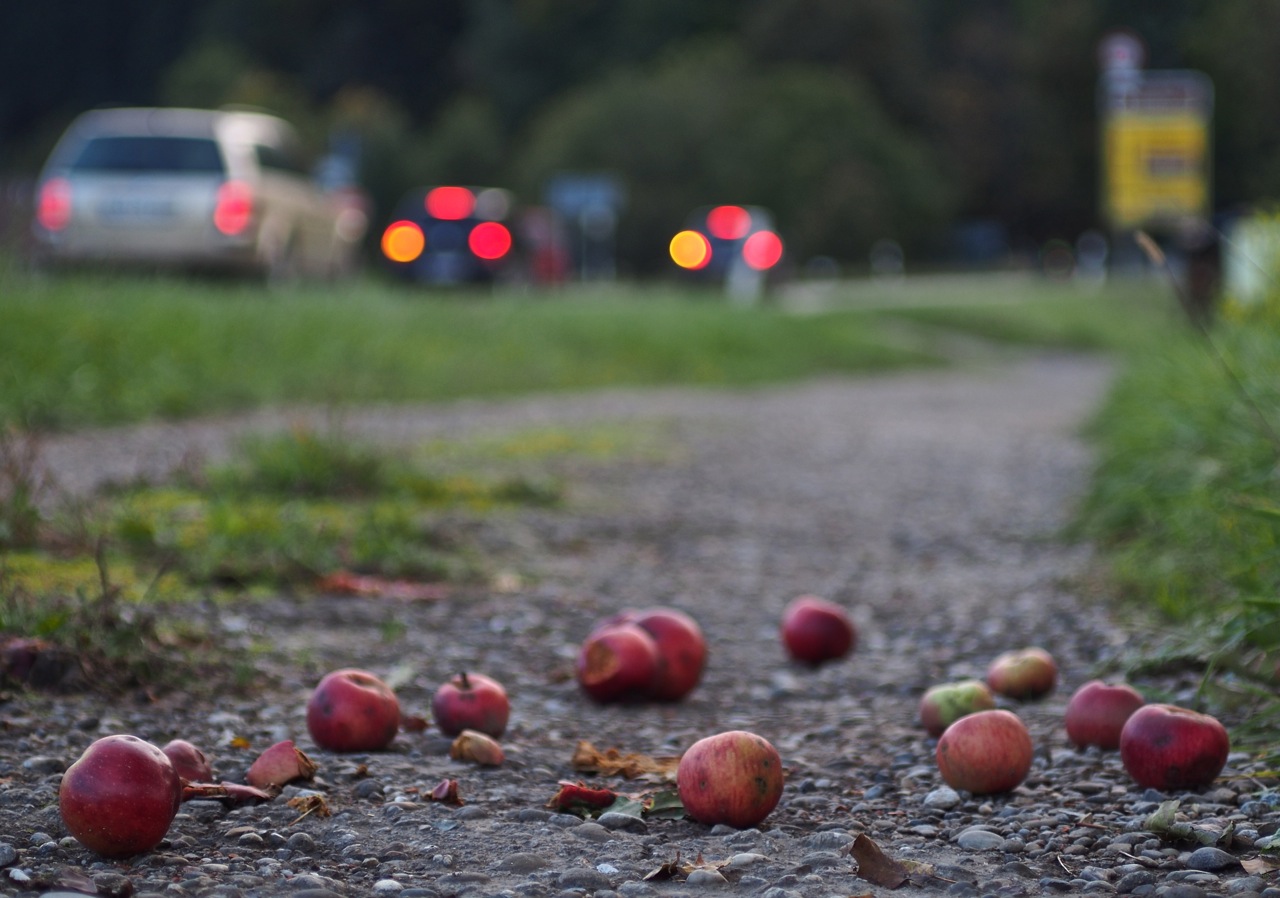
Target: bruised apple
column 1023, row 673
column 733, row 778
column 985, row 752
column 1097, row 713
column 682, row 651
column 945, row 703
column 1170, row 748
column 618, row 663
column 352, row 710
column 119, row 798
column 471, row 701
column 815, row 630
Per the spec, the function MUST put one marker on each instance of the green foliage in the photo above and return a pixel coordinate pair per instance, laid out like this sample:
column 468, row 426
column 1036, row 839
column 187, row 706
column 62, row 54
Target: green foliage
column 707, row 126
column 1185, row 492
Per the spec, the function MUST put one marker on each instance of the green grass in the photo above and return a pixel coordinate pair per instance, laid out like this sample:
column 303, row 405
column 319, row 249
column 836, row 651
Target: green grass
column 82, row 351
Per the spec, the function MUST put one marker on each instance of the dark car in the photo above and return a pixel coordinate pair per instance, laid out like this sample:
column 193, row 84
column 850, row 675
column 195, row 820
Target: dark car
column 452, row 235
column 727, row 242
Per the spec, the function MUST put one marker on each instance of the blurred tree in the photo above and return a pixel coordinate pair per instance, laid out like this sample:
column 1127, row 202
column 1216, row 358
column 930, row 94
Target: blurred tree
column 706, row 126
column 1235, row 44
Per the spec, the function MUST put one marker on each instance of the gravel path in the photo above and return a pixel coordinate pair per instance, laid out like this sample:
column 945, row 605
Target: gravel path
column 927, row 503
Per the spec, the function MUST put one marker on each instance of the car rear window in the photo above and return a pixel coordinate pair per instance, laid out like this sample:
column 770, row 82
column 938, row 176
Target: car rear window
column 149, row 154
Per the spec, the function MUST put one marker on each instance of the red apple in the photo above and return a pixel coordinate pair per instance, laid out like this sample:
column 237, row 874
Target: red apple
column 682, row 651
column 815, row 630
column 191, row 763
column 1097, row 712
column 733, row 778
column 1023, row 673
column 1171, row 748
column 945, row 703
column 618, row 662
column 985, row 752
column 353, row 710
column 471, row 702
column 120, row 797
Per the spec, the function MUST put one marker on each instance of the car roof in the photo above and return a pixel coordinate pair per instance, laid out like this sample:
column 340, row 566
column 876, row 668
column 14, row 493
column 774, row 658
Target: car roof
column 179, row 122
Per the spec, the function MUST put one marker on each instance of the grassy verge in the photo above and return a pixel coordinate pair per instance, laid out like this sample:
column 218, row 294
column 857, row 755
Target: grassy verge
column 1185, row 499
column 87, row 351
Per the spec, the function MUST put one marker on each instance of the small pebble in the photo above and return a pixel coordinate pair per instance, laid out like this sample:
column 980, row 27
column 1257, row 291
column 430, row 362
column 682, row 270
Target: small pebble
column 1211, row 859
column 979, row 840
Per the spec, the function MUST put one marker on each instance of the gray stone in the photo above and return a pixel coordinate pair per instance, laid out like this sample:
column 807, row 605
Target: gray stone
column 974, row 839
column 583, row 878
column 522, row 862
column 944, row 798
column 1131, row 881
column 1211, row 859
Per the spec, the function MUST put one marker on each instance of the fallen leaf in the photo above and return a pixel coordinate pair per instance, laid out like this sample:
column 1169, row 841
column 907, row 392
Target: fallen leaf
column 372, row 586
column 875, row 866
column 446, row 792
column 279, row 765
column 308, row 805
column 413, row 723
column 669, row 870
column 665, row 805
column 1259, row 866
column 228, row 793
column 579, row 798
column 478, row 748
column 612, row 762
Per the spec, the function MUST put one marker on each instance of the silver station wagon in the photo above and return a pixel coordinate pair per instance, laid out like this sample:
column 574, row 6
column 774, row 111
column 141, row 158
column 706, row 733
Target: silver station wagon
column 190, row 189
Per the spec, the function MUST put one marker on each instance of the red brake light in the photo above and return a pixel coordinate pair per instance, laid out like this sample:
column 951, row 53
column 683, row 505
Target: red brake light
column 403, row 241
column 690, row 250
column 489, row 240
column 762, row 250
column 728, row 222
column 53, row 207
column 234, row 208
column 450, row 203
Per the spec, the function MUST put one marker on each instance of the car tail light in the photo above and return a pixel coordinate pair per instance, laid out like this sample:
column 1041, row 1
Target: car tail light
column 450, row 203
column 762, row 250
column 53, row 206
column 233, row 210
column 690, row 250
column 489, row 240
column 728, row 222
column 403, row 241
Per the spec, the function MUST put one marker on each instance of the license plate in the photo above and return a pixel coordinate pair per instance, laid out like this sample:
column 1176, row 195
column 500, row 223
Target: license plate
column 126, row 209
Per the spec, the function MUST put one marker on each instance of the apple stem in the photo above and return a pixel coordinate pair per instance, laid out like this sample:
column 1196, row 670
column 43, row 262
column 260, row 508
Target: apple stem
column 462, row 675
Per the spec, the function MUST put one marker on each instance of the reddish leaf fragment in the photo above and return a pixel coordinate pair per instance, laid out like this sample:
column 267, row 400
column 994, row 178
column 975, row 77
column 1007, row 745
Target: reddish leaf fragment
column 413, row 723
column 579, row 798
column 227, row 793
column 370, row 585
column 875, row 866
column 446, row 792
column 280, row 765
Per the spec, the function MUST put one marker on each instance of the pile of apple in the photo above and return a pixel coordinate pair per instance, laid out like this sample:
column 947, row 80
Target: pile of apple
column 656, row 654
column 984, row 749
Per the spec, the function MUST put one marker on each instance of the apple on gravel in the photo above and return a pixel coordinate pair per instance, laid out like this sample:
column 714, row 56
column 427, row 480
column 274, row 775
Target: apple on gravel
column 945, row 703
column 471, row 701
column 1023, row 673
column 191, row 763
column 682, row 648
column 1097, row 712
column 815, row 630
column 353, row 710
column 1171, row 748
column 985, row 752
column 734, row 778
column 120, row 797
column 618, row 662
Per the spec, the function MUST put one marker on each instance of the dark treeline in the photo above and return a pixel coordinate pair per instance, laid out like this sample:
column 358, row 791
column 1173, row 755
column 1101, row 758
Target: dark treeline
column 854, row 120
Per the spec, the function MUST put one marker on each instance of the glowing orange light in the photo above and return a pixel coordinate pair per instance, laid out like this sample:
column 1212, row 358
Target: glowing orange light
column 728, row 222
column 53, row 209
column 233, row 209
column 762, row 250
column 450, row 203
column 690, row 250
column 489, row 240
column 403, row 241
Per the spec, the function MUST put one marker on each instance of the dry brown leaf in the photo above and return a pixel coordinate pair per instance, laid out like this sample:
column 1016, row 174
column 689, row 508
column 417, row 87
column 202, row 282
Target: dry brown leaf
column 1259, row 866
column 307, row 805
column 372, row 586
column 446, row 792
column 612, row 762
column 478, row 748
column 875, row 866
